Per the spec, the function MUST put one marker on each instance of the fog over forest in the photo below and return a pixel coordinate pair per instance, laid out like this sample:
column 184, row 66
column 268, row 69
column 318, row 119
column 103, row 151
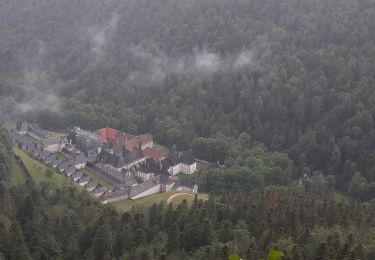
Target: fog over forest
column 278, row 96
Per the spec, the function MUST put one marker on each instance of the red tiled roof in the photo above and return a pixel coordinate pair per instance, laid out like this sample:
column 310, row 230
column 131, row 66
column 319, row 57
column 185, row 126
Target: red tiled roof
column 108, row 134
column 153, row 153
column 129, row 141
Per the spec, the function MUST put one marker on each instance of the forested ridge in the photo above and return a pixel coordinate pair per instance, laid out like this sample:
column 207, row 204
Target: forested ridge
column 279, row 92
column 296, row 76
column 50, row 222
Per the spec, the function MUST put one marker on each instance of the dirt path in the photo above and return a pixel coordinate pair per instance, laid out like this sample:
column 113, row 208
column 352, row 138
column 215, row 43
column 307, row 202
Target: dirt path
column 169, row 200
column 200, row 196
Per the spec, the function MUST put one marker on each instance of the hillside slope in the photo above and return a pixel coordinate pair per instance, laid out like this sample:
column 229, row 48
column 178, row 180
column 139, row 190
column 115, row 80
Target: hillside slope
column 295, row 75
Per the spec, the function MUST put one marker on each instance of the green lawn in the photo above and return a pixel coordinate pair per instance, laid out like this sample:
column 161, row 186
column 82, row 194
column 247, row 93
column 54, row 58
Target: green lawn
column 57, row 134
column 340, row 198
column 95, row 177
column 38, row 170
column 202, row 166
column 61, row 156
column 17, row 177
column 127, row 205
column 147, row 201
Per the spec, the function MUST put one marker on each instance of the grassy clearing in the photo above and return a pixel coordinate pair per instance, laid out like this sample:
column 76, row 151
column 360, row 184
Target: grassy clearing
column 147, row 201
column 340, row 198
column 57, row 134
column 95, row 177
column 202, row 166
column 38, row 170
column 18, row 176
column 61, row 156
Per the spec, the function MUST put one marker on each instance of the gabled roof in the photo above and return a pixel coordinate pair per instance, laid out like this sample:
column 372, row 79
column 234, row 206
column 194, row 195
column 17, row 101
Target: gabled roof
column 132, row 156
column 45, row 154
column 80, row 159
column 109, row 134
column 187, row 159
column 132, row 143
column 149, row 165
column 22, row 126
column 117, row 137
column 119, row 192
column 63, row 165
column 37, row 151
column 153, row 153
column 173, row 158
column 56, row 162
column 120, row 161
column 84, row 179
column 70, row 170
column 42, row 134
column 111, row 159
column 100, row 190
column 51, row 141
column 185, row 183
column 50, row 158
column 77, row 174
column 144, row 186
column 165, row 179
column 92, row 184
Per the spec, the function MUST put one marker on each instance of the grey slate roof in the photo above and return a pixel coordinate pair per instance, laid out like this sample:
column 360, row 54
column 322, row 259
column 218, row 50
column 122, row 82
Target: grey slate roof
column 184, row 183
column 22, row 126
column 63, row 165
column 80, row 159
column 111, row 159
column 84, row 179
column 70, row 170
column 50, row 158
column 120, row 161
column 149, row 165
column 131, row 156
column 144, row 186
column 119, row 192
column 77, row 174
column 38, row 132
column 56, row 163
column 51, row 141
column 92, row 185
column 37, row 151
column 44, row 155
column 173, row 158
column 165, row 179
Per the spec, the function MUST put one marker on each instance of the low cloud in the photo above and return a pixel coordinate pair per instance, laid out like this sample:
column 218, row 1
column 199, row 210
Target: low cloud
column 208, row 62
column 101, row 36
column 245, row 58
column 155, row 65
column 38, row 93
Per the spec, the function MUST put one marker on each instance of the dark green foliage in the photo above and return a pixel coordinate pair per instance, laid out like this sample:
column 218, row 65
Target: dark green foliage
column 47, row 222
column 67, row 224
column 306, row 89
column 303, row 104
column 5, row 156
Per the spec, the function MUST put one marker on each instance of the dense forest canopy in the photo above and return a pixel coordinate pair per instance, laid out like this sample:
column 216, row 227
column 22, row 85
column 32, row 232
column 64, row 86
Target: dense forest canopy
column 279, row 92
column 296, row 76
